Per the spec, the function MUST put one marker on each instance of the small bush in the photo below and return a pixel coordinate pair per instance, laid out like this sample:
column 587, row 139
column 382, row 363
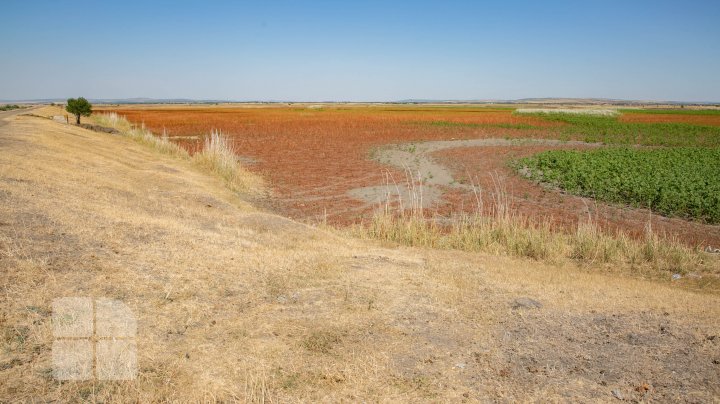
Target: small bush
column 9, row 107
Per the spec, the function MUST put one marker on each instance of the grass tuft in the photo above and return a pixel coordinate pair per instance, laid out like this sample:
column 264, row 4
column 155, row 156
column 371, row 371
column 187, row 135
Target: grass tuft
column 217, row 156
column 497, row 228
column 141, row 135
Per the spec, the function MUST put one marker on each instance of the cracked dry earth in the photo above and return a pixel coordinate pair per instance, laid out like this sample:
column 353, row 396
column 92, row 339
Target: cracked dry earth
column 236, row 304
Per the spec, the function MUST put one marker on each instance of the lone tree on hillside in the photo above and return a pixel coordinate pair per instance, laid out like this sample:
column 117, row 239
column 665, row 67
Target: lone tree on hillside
column 78, row 107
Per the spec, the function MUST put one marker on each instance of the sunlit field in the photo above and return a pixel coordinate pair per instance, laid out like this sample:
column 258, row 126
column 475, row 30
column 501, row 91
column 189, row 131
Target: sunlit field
column 314, row 156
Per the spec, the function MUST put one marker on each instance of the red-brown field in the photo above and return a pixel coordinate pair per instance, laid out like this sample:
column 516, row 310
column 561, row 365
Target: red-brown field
column 313, row 155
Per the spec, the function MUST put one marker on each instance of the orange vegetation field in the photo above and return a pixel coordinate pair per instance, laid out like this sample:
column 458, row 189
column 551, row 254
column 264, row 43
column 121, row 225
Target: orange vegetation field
column 312, row 155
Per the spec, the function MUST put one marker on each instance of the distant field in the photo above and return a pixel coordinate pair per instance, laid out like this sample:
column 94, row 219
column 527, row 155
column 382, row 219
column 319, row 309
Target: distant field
column 614, row 130
column 676, row 111
column 673, row 181
column 696, row 117
column 314, row 155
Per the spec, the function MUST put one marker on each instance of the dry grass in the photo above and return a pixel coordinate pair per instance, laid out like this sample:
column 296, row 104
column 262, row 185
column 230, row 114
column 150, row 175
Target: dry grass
column 497, row 228
column 217, row 156
column 140, row 134
column 234, row 304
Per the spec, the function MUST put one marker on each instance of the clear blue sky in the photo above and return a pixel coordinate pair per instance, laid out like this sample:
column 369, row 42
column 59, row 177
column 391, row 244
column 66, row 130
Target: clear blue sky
column 360, row 50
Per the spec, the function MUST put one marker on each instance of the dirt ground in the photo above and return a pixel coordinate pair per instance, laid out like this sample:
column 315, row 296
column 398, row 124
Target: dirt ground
column 234, row 303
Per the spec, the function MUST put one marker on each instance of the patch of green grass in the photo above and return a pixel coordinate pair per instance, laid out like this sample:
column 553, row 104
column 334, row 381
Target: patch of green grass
column 9, row 107
column 678, row 111
column 451, row 124
column 608, row 130
column 672, row 181
column 452, row 108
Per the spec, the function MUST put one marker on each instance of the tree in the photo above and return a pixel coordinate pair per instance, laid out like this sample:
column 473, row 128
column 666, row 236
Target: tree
column 78, row 107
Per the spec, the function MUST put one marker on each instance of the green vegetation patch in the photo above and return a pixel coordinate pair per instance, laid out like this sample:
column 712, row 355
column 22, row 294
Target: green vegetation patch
column 450, row 124
column 608, row 130
column 682, row 111
column 672, row 181
column 9, row 107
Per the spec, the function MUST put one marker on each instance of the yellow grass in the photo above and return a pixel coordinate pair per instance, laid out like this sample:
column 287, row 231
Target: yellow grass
column 217, row 156
column 588, row 244
column 500, row 230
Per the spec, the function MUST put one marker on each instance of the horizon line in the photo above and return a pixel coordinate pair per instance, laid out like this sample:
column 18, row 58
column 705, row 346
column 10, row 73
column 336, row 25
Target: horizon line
column 180, row 100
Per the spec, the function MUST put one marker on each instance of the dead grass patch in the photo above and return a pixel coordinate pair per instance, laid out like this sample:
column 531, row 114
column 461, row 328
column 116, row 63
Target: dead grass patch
column 217, row 156
column 322, row 341
column 497, row 228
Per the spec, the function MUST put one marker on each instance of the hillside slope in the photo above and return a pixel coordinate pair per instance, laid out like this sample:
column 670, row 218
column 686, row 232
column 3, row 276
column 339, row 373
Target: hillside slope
column 233, row 303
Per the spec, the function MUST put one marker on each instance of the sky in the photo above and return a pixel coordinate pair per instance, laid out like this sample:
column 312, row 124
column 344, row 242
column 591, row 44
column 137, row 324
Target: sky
column 360, row 50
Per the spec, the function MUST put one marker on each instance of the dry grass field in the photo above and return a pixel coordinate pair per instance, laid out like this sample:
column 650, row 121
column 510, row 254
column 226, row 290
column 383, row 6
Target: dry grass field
column 237, row 304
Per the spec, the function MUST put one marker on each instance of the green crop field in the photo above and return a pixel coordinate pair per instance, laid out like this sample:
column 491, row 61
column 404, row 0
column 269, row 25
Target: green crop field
column 681, row 181
column 609, row 130
column 449, row 124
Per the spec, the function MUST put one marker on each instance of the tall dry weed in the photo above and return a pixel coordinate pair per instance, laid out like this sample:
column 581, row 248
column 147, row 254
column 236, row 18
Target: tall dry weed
column 496, row 227
column 217, row 156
